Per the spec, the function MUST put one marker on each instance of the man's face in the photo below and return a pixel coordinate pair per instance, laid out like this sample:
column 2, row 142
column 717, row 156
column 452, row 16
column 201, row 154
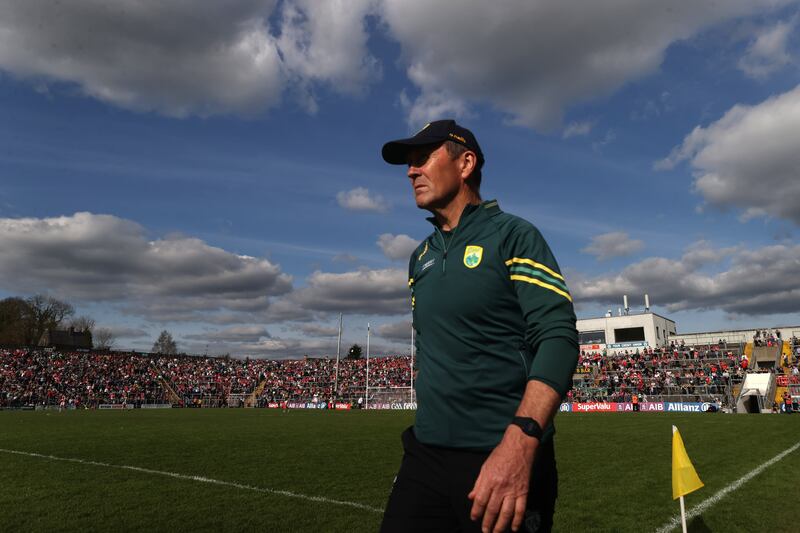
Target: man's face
column 435, row 177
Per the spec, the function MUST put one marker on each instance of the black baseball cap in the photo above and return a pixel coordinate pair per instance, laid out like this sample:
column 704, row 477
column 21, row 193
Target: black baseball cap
column 396, row 152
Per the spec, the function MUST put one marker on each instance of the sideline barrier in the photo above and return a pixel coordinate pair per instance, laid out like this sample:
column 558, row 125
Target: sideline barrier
column 588, row 407
column 392, row 406
column 133, row 406
column 340, row 406
column 308, row 405
column 662, row 407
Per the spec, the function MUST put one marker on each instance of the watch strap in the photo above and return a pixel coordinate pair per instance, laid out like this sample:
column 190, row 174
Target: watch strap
column 529, row 426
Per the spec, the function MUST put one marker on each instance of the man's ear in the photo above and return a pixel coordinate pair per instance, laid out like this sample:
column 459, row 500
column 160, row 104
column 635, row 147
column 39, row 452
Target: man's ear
column 468, row 163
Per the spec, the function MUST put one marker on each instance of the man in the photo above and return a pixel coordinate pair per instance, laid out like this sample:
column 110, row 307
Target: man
column 497, row 347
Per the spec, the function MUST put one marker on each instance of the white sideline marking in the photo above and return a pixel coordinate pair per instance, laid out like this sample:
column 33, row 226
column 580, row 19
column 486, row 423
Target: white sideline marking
column 201, row 479
column 705, row 504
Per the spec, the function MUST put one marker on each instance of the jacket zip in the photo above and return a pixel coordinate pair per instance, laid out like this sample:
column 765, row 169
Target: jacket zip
column 452, row 237
column 446, row 246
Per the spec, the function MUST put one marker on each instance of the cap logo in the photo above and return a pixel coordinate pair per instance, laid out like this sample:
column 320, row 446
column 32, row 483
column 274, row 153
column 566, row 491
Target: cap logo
column 472, row 256
column 457, row 137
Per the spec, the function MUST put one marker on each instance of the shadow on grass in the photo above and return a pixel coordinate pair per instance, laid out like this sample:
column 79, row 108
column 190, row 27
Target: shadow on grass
column 697, row 525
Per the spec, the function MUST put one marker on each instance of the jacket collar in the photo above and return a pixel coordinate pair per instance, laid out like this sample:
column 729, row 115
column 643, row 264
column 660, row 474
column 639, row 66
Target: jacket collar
column 471, row 213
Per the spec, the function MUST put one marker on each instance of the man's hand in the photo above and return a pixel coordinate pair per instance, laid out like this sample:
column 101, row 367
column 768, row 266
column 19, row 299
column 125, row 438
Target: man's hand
column 500, row 494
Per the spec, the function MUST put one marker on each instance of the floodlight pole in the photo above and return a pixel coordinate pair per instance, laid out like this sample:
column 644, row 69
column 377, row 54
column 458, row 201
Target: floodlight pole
column 338, row 352
column 366, row 395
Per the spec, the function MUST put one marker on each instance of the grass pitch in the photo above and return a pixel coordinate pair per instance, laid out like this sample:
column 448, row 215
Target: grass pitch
column 614, row 470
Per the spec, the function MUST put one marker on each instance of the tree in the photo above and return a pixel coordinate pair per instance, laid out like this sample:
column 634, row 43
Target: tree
column 103, row 339
column 45, row 314
column 14, row 315
column 165, row 344
column 82, row 323
column 354, row 352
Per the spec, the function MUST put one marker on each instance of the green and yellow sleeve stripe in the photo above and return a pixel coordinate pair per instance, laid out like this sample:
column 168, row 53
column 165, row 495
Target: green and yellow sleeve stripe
column 529, row 271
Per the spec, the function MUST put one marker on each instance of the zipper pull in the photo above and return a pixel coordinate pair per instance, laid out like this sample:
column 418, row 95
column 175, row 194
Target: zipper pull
column 444, row 262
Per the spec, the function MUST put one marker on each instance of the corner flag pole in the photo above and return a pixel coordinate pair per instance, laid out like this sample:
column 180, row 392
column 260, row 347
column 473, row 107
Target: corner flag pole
column 683, row 515
column 684, row 476
column 366, row 396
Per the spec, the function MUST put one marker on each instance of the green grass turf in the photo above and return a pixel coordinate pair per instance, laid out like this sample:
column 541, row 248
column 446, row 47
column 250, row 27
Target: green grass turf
column 614, row 470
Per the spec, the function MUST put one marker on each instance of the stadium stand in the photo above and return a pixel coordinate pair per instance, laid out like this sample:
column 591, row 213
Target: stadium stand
column 715, row 373
column 706, row 373
column 35, row 377
column 30, row 378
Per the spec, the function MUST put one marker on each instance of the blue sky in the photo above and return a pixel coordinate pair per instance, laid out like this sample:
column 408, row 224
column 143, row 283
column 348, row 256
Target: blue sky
column 217, row 173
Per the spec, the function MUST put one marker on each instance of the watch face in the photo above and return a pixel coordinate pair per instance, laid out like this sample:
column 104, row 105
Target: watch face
column 529, row 427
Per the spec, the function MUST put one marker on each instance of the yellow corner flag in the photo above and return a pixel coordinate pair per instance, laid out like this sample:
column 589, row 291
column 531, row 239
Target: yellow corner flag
column 684, row 476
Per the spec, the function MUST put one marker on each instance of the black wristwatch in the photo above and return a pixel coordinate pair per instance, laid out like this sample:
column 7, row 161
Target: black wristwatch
column 529, row 426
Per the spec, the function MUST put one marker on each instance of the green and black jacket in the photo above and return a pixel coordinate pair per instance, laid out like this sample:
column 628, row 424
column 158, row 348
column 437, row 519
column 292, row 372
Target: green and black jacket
column 491, row 311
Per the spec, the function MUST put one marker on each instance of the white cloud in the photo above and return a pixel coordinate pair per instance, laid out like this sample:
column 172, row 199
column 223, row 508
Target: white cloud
column 533, row 59
column 241, row 56
column 360, row 199
column 575, row 129
column 327, row 41
column 169, row 57
column 344, row 258
column 395, row 331
column 759, row 281
column 125, row 332
column 92, row 257
column 748, row 159
column 233, row 334
column 433, row 106
column 288, row 347
column 614, row 244
column 397, row 247
column 767, row 52
column 315, row 339
column 265, row 347
column 646, row 109
column 317, row 330
column 101, row 258
column 607, row 139
column 376, row 292
column 178, row 58
column 702, row 253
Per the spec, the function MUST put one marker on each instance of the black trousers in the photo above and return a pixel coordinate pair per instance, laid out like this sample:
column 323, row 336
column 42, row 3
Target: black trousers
column 430, row 491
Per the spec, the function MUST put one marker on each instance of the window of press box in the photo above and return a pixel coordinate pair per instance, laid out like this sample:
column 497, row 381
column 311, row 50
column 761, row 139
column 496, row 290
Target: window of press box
column 592, row 337
column 629, row 335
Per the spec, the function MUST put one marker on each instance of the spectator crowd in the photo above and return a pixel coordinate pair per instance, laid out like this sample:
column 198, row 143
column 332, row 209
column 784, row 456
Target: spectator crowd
column 35, row 377
column 84, row 379
column 696, row 373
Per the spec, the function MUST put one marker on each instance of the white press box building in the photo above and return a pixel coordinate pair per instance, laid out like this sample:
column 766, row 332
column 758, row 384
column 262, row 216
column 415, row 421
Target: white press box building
column 625, row 331
column 631, row 330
